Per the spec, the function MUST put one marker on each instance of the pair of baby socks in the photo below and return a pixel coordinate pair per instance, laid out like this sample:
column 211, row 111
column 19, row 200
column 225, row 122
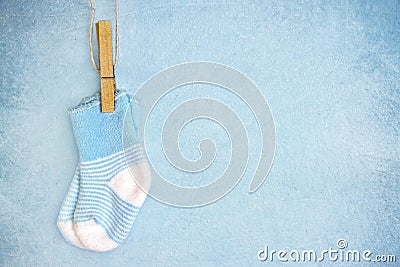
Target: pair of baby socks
column 104, row 197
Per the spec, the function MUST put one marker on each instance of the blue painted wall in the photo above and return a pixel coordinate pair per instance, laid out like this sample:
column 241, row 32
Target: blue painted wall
column 330, row 73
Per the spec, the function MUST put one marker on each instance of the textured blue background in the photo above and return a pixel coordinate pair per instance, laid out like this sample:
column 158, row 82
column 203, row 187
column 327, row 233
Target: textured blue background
column 330, row 73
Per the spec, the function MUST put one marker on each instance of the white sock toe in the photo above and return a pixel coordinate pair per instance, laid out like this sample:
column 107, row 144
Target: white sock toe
column 67, row 230
column 94, row 237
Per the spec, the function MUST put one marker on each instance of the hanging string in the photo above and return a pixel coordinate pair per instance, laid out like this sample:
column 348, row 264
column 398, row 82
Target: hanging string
column 91, row 36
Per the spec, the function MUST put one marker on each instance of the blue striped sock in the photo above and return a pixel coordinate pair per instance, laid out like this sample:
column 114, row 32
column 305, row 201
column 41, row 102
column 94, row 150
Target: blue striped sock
column 66, row 214
column 109, row 198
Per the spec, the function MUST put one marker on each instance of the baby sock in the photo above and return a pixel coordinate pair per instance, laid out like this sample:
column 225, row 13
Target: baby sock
column 66, row 215
column 111, row 161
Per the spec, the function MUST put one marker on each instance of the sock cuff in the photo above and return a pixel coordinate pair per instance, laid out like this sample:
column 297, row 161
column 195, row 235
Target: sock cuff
column 99, row 134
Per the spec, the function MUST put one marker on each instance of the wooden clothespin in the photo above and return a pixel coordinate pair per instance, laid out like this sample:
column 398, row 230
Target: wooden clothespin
column 107, row 78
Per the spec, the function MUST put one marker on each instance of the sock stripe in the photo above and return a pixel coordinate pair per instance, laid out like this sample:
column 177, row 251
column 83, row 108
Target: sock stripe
column 122, row 223
column 112, row 231
column 115, row 232
column 105, row 160
column 64, row 219
column 107, row 177
column 114, row 228
column 68, row 214
column 74, row 190
column 110, row 164
column 117, row 229
column 69, row 202
column 113, row 164
column 120, row 229
column 108, row 204
column 106, row 194
column 114, row 171
column 83, row 211
column 96, row 172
